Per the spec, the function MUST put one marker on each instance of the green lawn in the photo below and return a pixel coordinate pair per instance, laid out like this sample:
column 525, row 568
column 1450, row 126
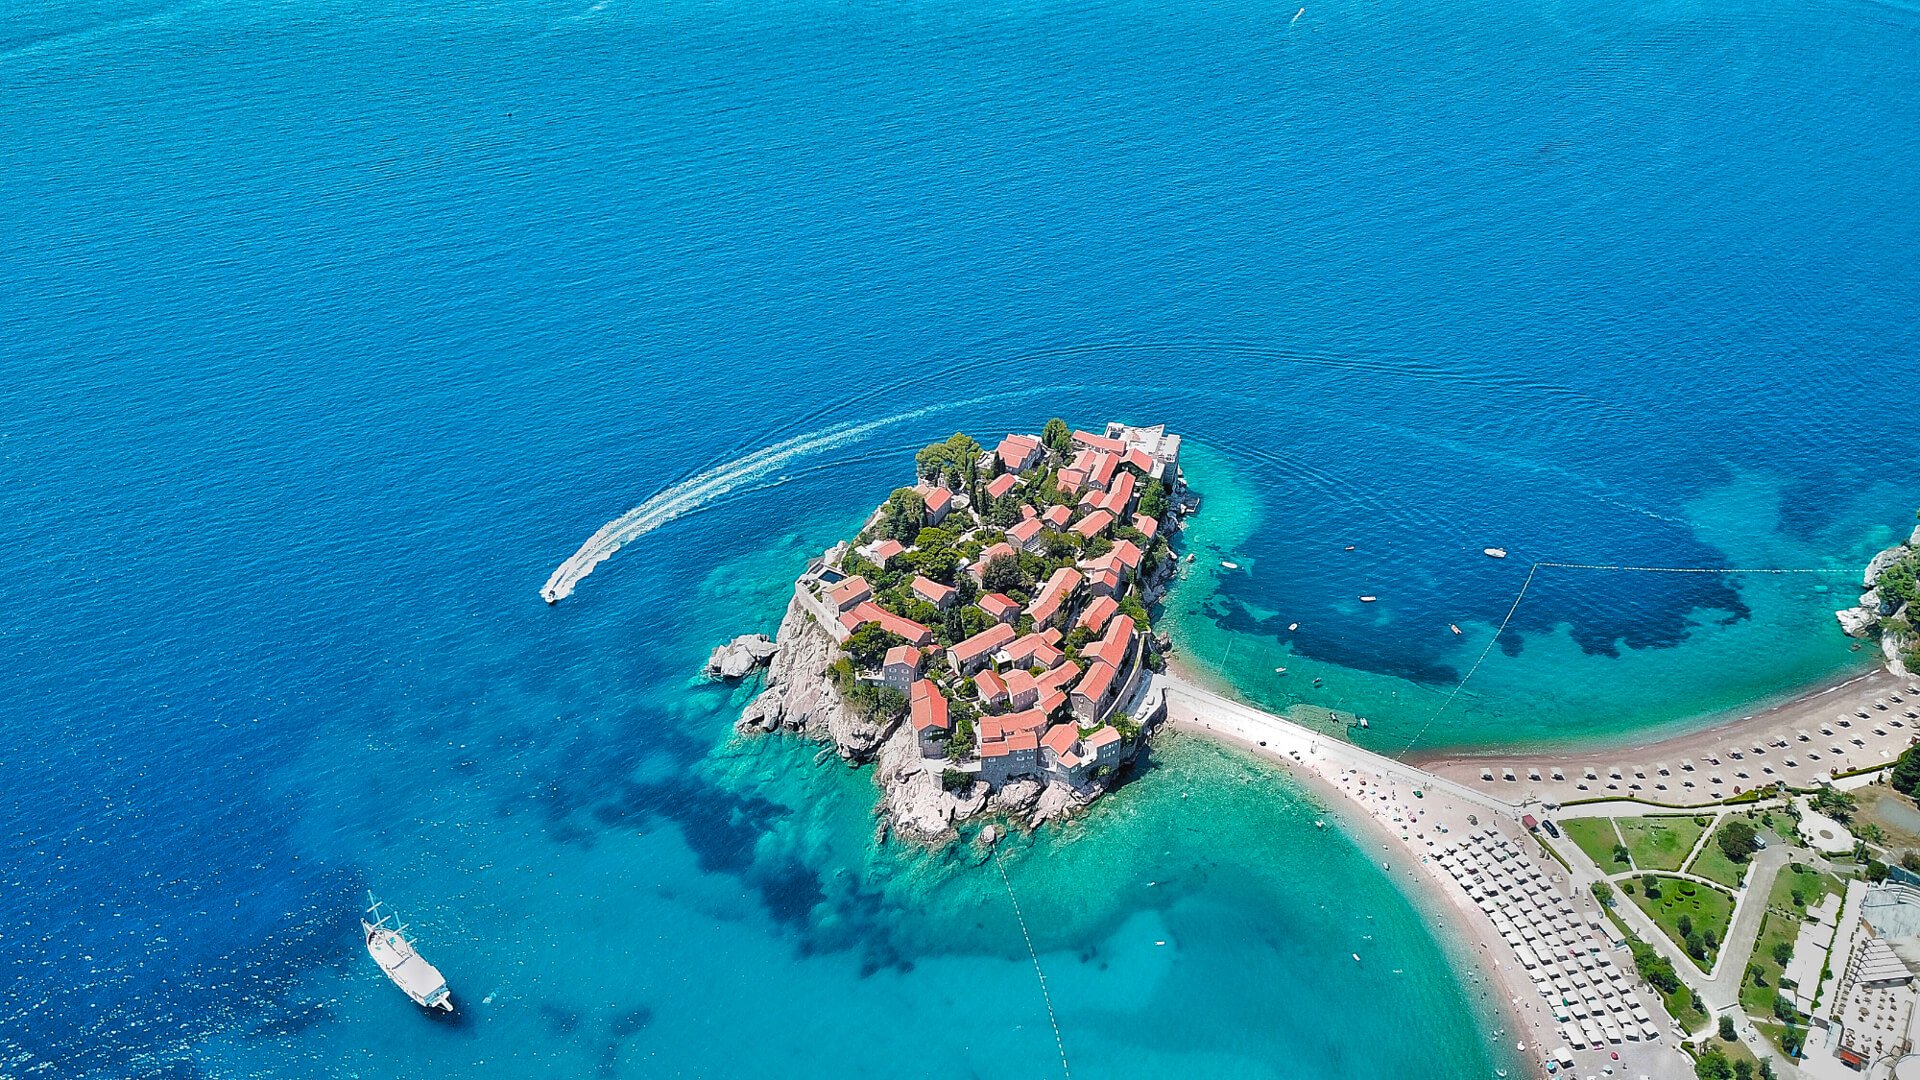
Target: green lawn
column 1596, row 837
column 1660, row 843
column 1708, row 908
column 1713, row 864
column 1781, row 924
column 1679, row 1003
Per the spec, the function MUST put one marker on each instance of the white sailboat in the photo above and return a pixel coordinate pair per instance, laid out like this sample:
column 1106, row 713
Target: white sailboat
column 394, row 952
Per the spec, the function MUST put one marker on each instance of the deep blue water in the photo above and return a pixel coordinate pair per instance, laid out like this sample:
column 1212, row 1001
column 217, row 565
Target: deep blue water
column 328, row 330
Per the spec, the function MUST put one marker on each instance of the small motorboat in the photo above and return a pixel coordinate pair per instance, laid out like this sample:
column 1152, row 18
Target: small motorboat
column 1494, row 553
column 1293, row 626
column 1356, row 957
column 1349, row 547
column 1368, row 599
column 1279, row 671
column 1455, row 627
column 1224, row 564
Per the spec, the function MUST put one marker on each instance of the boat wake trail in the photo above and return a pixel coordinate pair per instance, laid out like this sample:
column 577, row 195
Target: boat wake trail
column 699, row 491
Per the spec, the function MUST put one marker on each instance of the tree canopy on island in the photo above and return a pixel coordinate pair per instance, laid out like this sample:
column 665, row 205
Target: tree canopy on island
column 957, row 459
column 901, row 516
column 1057, row 436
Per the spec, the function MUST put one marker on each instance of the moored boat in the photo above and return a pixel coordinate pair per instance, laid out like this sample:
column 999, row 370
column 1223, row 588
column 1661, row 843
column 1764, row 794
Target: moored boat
column 394, row 952
column 1494, row 553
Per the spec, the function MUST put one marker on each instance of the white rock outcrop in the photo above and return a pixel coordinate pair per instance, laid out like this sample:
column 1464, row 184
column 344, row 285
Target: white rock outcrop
column 737, row 658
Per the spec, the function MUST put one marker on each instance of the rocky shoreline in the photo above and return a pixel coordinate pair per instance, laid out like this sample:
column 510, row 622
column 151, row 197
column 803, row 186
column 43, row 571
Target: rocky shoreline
column 1886, row 609
column 984, row 641
column 801, row 699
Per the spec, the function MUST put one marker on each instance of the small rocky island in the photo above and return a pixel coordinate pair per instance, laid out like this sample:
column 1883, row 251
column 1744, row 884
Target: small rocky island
column 1890, row 605
column 983, row 639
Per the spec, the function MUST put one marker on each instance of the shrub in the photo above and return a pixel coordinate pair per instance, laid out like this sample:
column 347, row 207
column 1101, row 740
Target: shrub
column 1726, row 1028
column 1782, row 952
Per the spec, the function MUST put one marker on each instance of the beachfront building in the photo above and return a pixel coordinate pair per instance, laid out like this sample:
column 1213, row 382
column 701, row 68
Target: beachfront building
column 1073, row 758
column 1018, row 453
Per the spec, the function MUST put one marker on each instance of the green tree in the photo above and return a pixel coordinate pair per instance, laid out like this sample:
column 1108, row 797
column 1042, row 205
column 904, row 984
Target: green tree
column 1603, row 892
column 1737, row 839
column 955, row 780
column 902, row 515
column 1057, row 436
column 1621, row 855
column 1726, row 1028
column 868, row 645
column 1153, row 500
column 1782, row 952
column 960, row 743
column 1713, row 1065
column 1836, row 804
column 1004, row 574
column 1685, row 924
column 1905, row 777
column 1743, row 1070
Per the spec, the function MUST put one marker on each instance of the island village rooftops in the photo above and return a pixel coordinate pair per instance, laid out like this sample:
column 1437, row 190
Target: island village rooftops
column 999, row 606
column 1152, row 442
column 1127, row 555
column 1148, row 527
column 981, row 645
column 1101, row 475
column 938, row 499
column 869, row 612
column 1098, row 612
column 928, row 707
column 849, row 593
column 904, row 656
column 1096, row 682
column 990, row 687
column 1058, row 589
column 1119, row 495
column 1017, row 452
column 883, row 552
column 1056, row 517
column 1026, row 533
column 1008, row 742
column 1093, row 524
column 933, row 592
column 1001, row 485
column 1031, row 649
column 1028, row 721
column 1090, row 441
column 1114, row 645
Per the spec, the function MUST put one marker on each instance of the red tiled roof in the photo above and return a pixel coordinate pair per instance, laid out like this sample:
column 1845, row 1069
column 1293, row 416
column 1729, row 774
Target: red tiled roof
column 1099, row 612
column 904, row 654
column 1019, row 685
column 938, row 499
column 1148, row 526
column 849, row 592
column 1102, row 474
column 885, row 550
column 932, row 591
column 989, row 686
column 1050, row 700
column 1014, row 741
column 1056, row 516
column 1024, row 531
column 1001, row 484
column 1070, row 480
column 1098, row 442
column 868, row 611
column 1120, row 494
column 1054, row 593
column 982, row 643
column 1014, row 451
column 1032, row 649
column 979, row 567
column 1060, row 738
column 1095, row 683
column 1114, row 644
column 999, row 605
column 1093, row 524
column 1101, row 736
column 1059, row 677
column 1127, row 554
column 1139, row 459
column 929, row 707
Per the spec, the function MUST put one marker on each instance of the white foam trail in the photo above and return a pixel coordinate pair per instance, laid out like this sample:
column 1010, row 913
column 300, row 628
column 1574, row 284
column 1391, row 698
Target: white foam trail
column 696, row 492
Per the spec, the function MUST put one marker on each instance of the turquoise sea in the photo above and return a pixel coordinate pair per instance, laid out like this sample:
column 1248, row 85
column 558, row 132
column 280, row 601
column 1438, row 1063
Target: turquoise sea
column 328, row 330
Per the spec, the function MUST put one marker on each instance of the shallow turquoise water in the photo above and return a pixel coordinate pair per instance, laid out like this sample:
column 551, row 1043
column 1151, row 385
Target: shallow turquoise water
column 332, row 329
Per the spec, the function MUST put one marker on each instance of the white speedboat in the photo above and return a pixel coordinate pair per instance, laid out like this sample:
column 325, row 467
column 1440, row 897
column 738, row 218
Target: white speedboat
column 394, row 952
column 1494, row 553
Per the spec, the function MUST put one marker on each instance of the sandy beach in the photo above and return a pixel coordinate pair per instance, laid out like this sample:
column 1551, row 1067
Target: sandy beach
column 1861, row 722
column 1375, row 797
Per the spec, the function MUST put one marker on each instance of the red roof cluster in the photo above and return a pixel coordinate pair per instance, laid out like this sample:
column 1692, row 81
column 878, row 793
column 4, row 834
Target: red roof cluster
column 928, row 708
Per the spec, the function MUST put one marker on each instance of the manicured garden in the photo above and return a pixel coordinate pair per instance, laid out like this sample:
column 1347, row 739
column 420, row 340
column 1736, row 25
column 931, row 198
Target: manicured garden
column 1661, row 843
column 1713, row 863
column 1596, row 837
column 1796, row 889
column 1694, row 915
